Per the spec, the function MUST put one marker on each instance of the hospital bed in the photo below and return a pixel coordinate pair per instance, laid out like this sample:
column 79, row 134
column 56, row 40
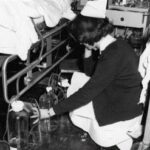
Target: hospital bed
column 33, row 39
column 30, row 79
column 47, row 43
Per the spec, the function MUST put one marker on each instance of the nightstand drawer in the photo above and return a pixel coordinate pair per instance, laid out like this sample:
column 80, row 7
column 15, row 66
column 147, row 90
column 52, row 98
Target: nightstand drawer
column 126, row 18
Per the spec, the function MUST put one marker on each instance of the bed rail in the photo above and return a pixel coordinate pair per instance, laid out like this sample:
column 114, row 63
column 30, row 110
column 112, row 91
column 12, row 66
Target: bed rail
column 47, row 38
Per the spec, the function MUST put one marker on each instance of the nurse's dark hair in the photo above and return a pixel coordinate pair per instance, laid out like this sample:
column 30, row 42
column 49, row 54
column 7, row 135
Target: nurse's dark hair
column 90, row 30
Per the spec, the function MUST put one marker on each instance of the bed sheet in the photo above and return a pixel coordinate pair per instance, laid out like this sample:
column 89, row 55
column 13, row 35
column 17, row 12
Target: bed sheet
column 17, row 32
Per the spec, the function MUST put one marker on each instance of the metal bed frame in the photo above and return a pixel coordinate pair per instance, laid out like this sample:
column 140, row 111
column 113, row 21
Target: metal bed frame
column 46, row 38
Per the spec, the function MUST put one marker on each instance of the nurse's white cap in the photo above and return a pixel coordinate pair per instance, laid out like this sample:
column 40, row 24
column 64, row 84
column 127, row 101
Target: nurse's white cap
column 96, row 9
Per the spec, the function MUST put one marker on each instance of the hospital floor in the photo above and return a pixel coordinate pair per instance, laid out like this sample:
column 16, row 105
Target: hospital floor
column 69, row 137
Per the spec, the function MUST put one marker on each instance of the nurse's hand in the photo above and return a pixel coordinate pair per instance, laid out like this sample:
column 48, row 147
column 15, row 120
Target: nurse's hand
column 90, row 47
column 43, row 114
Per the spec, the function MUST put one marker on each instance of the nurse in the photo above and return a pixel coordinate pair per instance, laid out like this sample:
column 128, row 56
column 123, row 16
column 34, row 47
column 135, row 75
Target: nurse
column 110, row 95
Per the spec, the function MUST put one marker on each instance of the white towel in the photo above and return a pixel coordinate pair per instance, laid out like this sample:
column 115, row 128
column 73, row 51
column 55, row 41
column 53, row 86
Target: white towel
column 77, row 81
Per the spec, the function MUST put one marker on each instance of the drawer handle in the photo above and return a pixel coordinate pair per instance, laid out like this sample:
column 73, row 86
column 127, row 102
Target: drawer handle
column 121, row 19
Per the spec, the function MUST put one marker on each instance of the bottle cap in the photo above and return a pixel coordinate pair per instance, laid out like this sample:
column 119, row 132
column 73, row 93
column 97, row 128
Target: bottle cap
column 48, row 89
column 17, row 106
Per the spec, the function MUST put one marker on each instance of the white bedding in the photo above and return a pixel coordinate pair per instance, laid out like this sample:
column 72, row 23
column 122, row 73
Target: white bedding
column 17, row 32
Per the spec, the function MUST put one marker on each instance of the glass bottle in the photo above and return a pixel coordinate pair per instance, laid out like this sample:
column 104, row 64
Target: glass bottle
column 45, row 103
column 18, row 126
